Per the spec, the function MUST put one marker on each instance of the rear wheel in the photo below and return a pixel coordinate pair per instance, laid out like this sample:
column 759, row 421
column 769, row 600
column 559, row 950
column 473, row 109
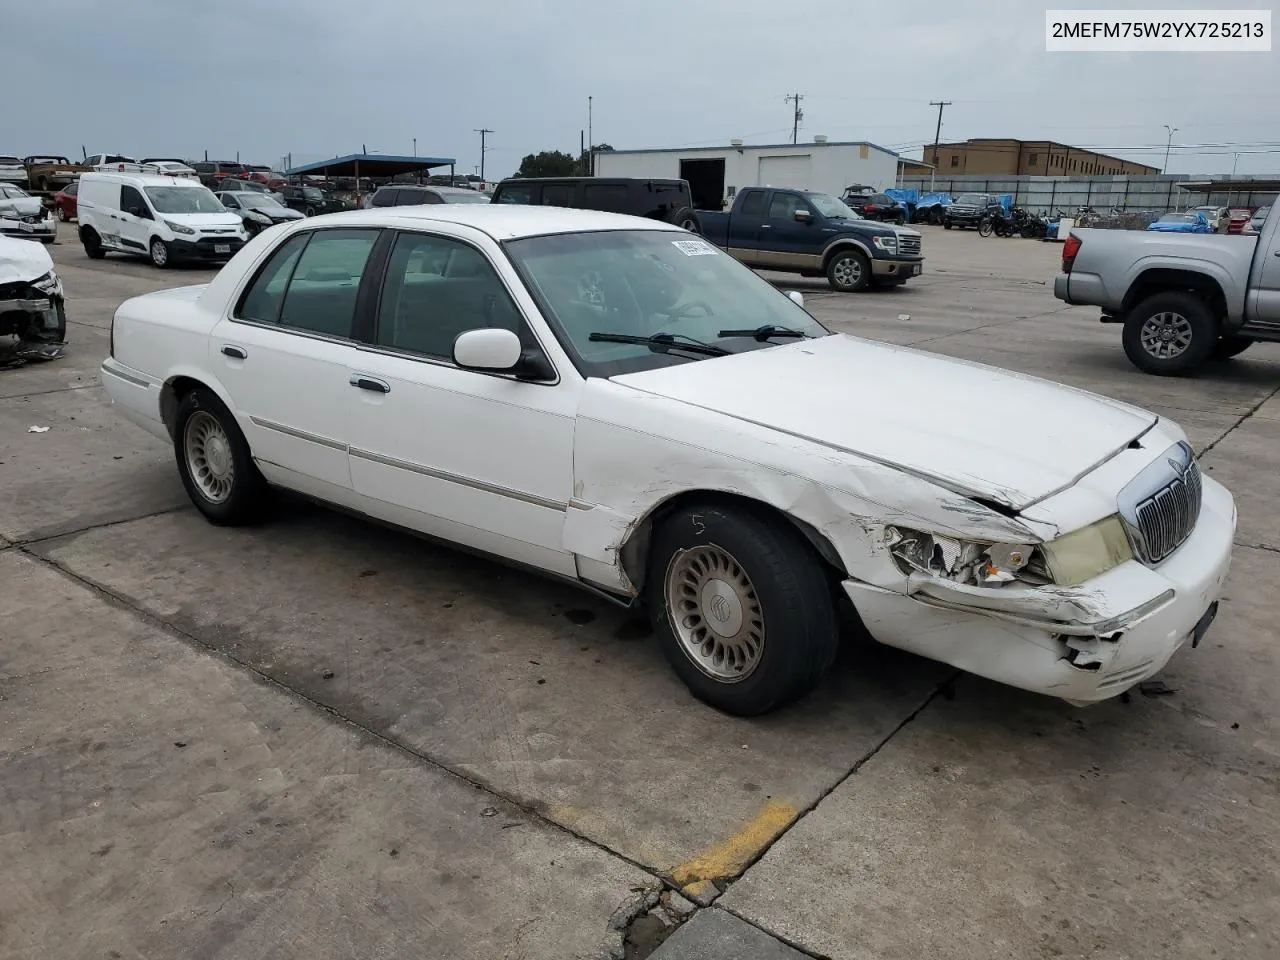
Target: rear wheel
column 92, row 244
column 686, row 218
column 62, row 214
column 1170, row 334
column 214, row 461
column 742, row 607
column 1228, row 347
column 849, row 271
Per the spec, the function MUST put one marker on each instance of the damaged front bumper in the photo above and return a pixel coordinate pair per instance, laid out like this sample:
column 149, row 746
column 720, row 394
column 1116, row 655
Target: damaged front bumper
column 42, row 227
column 1082, row 644
column 33, row 323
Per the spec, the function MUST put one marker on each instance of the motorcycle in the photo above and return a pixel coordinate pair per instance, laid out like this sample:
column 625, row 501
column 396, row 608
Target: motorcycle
column 996, row 222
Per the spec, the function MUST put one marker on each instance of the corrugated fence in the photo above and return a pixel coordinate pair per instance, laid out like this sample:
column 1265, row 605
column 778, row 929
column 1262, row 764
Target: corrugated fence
column 1048, row 194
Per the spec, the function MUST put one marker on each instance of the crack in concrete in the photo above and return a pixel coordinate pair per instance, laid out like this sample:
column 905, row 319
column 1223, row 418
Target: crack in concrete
column 45, row 393
column 40, row 537
column 797, row 947
column 988, row 326
column 1258, row 546
column 1246, row 416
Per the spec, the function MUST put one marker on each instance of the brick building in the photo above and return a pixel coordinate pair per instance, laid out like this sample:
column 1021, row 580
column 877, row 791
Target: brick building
column 1037, row 158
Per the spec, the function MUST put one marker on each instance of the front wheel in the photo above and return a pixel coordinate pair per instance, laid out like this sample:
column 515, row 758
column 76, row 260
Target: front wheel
column 741, row 606
column 62, row 214
column 1170, row 334
column 1228, row 347
column 985, row 228
column 214, row 461
column 849, row 271
column 159, row 251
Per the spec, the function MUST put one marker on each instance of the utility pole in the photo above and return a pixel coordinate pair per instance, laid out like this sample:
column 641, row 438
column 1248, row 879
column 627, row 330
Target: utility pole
column 797, row 116
column 937, row 132
column 482, row 133
column 1167, row 146
column 591, row 144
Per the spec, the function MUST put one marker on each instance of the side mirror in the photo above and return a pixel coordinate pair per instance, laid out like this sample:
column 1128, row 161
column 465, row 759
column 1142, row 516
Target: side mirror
column 487, row 349
column 803, row 216
column 796, row 297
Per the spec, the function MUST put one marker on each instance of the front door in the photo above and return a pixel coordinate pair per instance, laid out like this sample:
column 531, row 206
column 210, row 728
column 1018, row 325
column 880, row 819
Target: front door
column 478, row 459
column 1264, row 298
column 284, row 355
column 786, row 242
column 135, row 221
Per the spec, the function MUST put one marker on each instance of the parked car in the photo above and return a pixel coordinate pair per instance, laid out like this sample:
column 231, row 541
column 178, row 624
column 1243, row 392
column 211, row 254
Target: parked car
column 311, row 201
column 13, row 170
column 168, row 167
column 64, row 202
column 237, row 184
column 25, row 216
column 1192, row 222
column 51, row 173
column 814, row 235
column 1257, row 220
column 1183, row 300
column 211, row 172
column 667, row 200
column 969, row 209
column 167, row 219
column 613, row 367
column 408, row 195
column 112, row 163
column 877, row 206
column 257, row 210
column 33, row 318
column 1237, row 217
column 1216, row 215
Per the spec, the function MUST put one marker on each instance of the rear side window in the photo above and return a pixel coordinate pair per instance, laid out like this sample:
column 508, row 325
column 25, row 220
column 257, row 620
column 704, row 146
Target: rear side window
column 557, row 195
column 519, row 194
column 610, row 198
column 753, row 203
column 385, row 198
column 265, row 296
column 321, row 297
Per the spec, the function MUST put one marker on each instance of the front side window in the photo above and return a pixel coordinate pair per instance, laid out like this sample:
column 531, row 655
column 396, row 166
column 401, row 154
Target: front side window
column 643, row 283
column 522, row 195
column 437, row 288
column 829, row 206
column 311, row 282
column 183, row 200
column 385, row 198
column 557, row 195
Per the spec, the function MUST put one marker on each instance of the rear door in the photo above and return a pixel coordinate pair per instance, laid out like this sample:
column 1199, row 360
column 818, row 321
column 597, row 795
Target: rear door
column 745, row 222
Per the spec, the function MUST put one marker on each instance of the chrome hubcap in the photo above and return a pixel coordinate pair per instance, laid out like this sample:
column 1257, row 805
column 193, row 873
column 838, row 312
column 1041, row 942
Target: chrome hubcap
column 158, row 252
column 715, row 613
column 848, row 272
column 1166, row 335
column 209, row 459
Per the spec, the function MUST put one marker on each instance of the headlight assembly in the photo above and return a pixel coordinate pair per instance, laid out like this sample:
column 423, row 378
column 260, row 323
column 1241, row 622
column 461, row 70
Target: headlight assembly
column 178, row 227
column 961, row 561
column 49, row 284
column 887, row 244
column 1087, row 552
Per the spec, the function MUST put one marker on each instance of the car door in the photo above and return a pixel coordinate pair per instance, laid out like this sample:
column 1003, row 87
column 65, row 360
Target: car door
column 745, row 222
column 786, row 242
column 284, row 352
column 1264, row 297
column 136, row 219
column 485, row 460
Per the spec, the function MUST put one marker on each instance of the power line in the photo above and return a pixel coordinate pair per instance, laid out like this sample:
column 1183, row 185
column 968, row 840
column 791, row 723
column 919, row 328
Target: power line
column 797, row 117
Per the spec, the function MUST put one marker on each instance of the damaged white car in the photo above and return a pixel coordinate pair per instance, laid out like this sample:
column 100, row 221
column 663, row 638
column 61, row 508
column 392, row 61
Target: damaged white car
column 33, row 317
column 617, row 403
column 25, row 216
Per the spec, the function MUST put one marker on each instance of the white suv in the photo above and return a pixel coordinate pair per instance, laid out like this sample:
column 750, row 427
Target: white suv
column 164, row 218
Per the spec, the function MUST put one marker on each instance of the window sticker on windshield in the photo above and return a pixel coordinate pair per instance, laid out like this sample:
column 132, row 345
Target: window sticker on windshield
column 694, row 248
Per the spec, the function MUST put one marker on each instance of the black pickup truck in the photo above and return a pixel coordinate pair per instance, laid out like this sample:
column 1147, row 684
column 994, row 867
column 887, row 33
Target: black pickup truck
column 814, row 235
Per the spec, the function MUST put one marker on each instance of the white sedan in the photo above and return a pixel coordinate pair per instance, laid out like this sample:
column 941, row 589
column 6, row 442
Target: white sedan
column 615, row 402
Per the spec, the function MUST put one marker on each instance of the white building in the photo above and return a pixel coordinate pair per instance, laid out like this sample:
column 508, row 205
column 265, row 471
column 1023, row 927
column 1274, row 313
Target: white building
column 716, row 174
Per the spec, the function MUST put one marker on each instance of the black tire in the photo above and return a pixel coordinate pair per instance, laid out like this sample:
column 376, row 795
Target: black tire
column 1228, row 347
column 247, row 493
column 310, row 211
column 849, row 271
column 985, row 228
column 159, row 253
column 687, row 219
column 1185, row 320
column 61, row 214
column 798, row 631
column 92, row 244
column 946, row 224
column 900, row 220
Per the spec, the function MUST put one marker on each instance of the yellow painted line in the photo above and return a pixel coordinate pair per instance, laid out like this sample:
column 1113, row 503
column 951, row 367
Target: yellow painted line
column 728, row 858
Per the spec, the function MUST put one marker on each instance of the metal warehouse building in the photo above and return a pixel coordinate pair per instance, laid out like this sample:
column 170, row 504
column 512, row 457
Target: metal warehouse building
column 716, row 174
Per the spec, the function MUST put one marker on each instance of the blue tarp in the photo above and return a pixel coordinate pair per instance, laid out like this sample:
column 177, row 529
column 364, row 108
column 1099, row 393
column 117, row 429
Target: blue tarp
column 933, row 199
column 1006, row 202
column 904, row 195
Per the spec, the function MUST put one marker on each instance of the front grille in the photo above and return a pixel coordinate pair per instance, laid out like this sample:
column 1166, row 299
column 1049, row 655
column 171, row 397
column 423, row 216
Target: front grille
column 909, row 246
column 1166, row 518
column 32, row 218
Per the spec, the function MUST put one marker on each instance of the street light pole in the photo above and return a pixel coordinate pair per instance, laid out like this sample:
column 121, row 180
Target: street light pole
column 482, row 133
column 1167, row 146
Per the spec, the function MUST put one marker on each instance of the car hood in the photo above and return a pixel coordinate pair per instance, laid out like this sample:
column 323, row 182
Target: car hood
column 22, row 260
column 22, row 206
column 869, row 226
column 279, row 213
column 203, row 219
column 977, row 430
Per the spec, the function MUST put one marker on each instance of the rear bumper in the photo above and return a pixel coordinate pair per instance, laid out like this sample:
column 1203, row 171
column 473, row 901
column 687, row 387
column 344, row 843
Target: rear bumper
column 135, row 396
column 1080, row 288
column 1155, row 611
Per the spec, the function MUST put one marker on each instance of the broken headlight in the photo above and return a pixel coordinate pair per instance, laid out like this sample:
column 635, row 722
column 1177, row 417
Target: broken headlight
column 1088, row 552
column 962, row 561
column 49, row 284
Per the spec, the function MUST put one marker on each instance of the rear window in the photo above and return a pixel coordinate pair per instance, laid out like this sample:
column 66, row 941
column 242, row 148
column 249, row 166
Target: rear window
column 610, row 198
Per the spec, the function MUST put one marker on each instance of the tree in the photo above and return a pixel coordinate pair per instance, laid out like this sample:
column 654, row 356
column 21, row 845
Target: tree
column 584, row 159
column 548, row 163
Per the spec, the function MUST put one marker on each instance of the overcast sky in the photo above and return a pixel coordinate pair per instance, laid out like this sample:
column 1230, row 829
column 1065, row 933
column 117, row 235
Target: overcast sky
column 322, row 78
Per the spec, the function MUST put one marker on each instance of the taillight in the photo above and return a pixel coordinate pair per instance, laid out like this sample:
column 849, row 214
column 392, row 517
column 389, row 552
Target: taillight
column 1069, row 250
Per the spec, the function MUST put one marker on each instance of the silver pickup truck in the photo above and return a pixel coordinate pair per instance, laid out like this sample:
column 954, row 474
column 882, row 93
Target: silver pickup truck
column 1183, row 298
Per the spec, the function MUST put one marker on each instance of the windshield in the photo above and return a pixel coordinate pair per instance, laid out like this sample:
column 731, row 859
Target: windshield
column 10, row 162
column 466, row 196
column 12, row 192
column 183, row 200
column 972, row 199
column 1179, row 218
column 1261, row 213
column 829, row 206
column 645, row 283
column 312, row 193
column 259, row 200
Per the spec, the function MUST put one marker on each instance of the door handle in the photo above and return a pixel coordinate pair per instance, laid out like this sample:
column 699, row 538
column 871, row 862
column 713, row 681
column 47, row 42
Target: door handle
column 766, row 226
column 370, row 383
column 231, row 350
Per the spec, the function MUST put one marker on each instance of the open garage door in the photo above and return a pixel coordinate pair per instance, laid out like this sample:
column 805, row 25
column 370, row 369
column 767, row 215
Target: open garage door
column 706, row 182
column 791, row 170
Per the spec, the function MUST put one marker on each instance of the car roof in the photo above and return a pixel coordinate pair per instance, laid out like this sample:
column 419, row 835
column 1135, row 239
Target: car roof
column 434, row 188
column 141, row 179
column 500, row 221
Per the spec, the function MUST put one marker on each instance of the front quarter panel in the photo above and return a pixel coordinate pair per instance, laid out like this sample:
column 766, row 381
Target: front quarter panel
column 633, row 452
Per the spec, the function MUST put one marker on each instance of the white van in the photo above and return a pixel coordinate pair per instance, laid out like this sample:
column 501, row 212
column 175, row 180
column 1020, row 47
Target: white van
column 164, row 218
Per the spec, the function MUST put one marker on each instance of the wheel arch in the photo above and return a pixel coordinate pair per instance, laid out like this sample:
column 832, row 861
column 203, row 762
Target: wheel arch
column 633, row 554
column 178, row 385
column 1154, row 280
column 842, row 244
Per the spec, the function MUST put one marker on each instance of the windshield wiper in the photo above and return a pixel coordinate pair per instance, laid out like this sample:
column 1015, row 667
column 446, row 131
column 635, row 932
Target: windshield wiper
column 766, row 332
column 662, row 342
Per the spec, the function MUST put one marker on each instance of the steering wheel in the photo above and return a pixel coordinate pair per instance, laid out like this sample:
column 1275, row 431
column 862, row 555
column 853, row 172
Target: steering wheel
column 685, row 308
